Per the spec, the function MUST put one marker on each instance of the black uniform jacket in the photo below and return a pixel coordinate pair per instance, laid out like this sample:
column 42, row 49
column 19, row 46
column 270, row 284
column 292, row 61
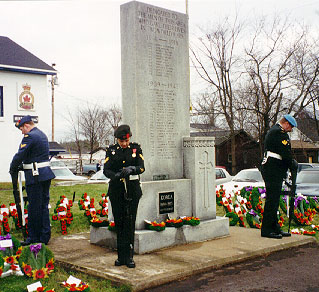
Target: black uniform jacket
column 33, row 148
column 277, row 141
column 117, row 159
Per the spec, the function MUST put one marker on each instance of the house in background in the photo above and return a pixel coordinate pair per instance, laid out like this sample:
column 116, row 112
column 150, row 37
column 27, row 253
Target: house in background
column 23, row 91
column 247, row 149
column 248, row 154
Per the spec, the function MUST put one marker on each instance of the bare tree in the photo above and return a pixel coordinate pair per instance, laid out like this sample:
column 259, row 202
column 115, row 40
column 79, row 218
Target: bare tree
column 279, row 75
column 113, row 117
column 213, row 56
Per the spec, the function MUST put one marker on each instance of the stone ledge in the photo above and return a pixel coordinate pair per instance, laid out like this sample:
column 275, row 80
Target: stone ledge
column 148, row 240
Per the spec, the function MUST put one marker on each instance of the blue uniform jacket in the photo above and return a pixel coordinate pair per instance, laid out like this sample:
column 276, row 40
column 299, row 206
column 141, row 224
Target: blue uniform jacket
column 33, row 148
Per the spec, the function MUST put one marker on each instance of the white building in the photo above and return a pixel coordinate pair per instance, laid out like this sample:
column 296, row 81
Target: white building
column 23, row 91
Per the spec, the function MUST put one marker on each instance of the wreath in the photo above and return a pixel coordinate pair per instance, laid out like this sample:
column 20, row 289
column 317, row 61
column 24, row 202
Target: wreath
column 111, row 226
column 63, row 213
column 37, row 261
column 234, row 219
column 177, row 223
column 73, row 287
column 193, row 221
column 96, row 222
column 154, row 225
column 10, row 256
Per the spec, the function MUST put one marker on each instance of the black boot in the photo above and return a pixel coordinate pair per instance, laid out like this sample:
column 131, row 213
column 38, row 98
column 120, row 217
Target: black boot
column 130, row 262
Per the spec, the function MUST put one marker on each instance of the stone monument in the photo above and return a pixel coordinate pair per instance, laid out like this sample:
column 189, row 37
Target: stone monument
column 180, row 170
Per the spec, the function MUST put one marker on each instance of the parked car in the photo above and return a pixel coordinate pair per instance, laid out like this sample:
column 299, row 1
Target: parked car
column 222, row 175
column 90, row 169
column 307, row 182
column 305, row 165
column 244, row 178
column 63, row 173
column 98, row 177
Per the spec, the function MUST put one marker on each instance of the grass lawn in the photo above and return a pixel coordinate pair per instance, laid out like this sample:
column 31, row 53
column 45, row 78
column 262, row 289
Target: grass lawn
column 79, row 224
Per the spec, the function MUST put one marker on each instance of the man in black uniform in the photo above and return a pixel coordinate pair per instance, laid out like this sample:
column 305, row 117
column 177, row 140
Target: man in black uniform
column 34, row 154
column 123, row 164
column 277, row 160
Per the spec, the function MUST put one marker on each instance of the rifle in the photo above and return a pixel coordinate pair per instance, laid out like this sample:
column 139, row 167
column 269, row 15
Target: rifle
column 128, row 198
column 16, row 178
column 292, row 194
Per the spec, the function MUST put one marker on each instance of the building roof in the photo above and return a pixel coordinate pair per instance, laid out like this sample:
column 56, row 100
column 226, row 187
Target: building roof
column 297, row 144
column 15, row 58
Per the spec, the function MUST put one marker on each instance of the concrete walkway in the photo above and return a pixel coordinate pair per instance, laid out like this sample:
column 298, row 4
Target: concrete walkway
column 163, row 266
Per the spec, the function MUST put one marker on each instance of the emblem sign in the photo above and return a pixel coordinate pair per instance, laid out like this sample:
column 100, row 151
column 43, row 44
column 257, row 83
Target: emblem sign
column 26, row 98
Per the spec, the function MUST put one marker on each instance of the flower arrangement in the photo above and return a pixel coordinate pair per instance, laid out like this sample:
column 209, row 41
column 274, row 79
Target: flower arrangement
column 37, row 261
column 177, row 223
column 193, row 221
column 74, row 284
column 63, row 213
column 4, row 219
column 10, row 256
column 104, row 212
column 154, row 225
column 96, row 222
column 84, row 202
column 111, row 226
column 43, row 289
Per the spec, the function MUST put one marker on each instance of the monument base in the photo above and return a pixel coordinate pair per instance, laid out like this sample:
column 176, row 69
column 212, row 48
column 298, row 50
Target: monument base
column 148, row 240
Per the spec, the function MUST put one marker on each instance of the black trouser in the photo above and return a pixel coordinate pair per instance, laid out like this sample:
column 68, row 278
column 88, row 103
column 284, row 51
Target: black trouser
column 39, row 229
column 270, row 218
column 124, row 212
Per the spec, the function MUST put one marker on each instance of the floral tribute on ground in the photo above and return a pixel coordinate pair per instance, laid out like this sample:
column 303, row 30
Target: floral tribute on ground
column 62, row 213
column 154, row 225
column 37, row 261
column 248, row 203
column 10, row 251
column 97, row 218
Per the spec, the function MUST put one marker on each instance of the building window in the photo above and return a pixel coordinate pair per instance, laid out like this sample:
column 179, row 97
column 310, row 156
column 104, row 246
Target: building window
column 1, row 101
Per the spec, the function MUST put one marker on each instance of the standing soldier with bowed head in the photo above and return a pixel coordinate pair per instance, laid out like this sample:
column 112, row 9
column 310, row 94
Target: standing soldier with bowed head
column 123, row 163
column 34, row 154
column 277, row 160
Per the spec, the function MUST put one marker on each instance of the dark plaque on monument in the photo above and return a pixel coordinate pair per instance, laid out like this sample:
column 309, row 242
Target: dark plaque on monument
column 166, row 202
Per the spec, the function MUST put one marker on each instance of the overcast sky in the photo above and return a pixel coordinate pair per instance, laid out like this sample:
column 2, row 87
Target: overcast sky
column 83, row 39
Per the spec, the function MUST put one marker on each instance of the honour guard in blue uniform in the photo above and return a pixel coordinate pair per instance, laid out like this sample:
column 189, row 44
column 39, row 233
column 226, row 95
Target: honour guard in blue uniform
column 277, row 160
column 123, row 164
column 33, row 154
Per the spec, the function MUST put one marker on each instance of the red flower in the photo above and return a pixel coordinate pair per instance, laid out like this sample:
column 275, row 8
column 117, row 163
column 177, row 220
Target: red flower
column 9, row 260
column 54, row 217
column 14, row 267
column 27, row 269
column 50, row 266
column 40, row 289
column 64, row 232
column 39, row 274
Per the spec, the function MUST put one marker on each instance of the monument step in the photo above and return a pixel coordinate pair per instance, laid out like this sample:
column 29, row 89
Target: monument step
column 149, row 240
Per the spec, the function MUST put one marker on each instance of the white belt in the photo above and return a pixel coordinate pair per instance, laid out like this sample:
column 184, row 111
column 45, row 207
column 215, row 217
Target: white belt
column 38, row 165
column 273, row 155
column 134, row 177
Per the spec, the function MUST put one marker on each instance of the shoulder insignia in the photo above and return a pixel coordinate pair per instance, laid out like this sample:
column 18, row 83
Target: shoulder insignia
column 106, row 159
column 142, row 156
column 26, row 135
column 23, row 145
column 284, row 142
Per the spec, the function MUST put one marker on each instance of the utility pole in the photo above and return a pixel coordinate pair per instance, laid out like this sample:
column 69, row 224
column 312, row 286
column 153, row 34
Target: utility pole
column 53, row 82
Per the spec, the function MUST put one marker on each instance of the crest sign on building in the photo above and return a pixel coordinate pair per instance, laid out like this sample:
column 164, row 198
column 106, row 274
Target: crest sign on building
column 26, row 99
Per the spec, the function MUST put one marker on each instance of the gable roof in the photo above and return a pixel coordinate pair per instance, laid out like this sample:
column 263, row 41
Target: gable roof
column 15, row 58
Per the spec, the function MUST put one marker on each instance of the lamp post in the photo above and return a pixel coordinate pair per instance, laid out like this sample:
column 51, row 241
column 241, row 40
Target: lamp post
column 53, row 83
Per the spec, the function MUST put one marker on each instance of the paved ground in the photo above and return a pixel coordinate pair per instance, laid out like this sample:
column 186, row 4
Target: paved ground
column 171, row 264
column 294, row 270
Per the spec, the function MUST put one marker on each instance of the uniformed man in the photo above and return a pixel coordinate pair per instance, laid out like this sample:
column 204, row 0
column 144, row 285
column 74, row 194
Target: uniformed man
column 34, row 154
column 277, row 160
column 123, row 164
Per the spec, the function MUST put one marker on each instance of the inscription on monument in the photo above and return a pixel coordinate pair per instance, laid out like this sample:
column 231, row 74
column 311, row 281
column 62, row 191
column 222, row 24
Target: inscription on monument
column 166, row 202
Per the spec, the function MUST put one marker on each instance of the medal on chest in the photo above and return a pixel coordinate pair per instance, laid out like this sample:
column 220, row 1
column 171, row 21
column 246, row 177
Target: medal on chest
column 134, row 153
